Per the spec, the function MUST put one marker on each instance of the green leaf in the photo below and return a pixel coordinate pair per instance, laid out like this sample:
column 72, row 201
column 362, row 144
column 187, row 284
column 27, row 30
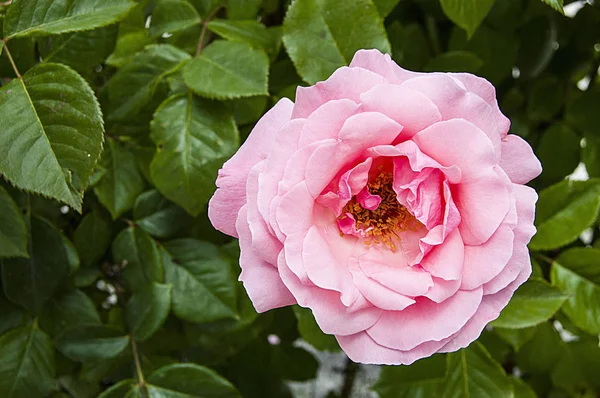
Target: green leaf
column 92, row 237
column 159, row 217
column 118, row 390
column 534, row 302
column 322, row 35
column 188, row 379
column 172, row 16
column 137, row 252
column 13, row 231
column 228, row 69
column 27, row 366
column 311, row 333
column 536, row 45
column 545, row 99
column 134, row 85
column 556, row 4
column 467, row 14
column 59, row 123
column 194, row 137
column 590, row 155
column 521, row 388
column 421, row 379
column 91, row 342
column 455, row 61
column 247, row 110
column 250, row 32
column 81, row 51
column 578, row 368
column 410, row 45
column 69, row 309
column 122, row 181
column 559, row 138
column 542, row 351
column 38, row 18
column 148, row 309
column 385, row 6
column 583, row 113
column 31, row 282
column 473, row 373
column 577, row 272
column 243, row 9
column 11, row 316
column 515, row 337
column 204, row 288
column 564, row 211
column 294, row 363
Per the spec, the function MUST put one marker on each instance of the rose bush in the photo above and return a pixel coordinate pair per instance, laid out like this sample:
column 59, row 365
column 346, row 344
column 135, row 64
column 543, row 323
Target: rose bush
column 389, row 202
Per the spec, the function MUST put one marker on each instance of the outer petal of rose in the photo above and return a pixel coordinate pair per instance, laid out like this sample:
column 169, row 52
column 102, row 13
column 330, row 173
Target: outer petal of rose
column 485, row 90
column 327, row 121
column 483, row 205
column 230, row 196
column 356, row 135
column 455, row 102
column 408, row 107
column 457, row 142
column 283, row 148
column 360, row 347
column 381, row 64
column 525, row 204
column 345, row 82
column 331, row 315
column 490, row 308
column 261, row 280
column 518, row 160
column 486, row 261
column 266, row 246
column 324, row 269
column 425, row 321
column 446, row 260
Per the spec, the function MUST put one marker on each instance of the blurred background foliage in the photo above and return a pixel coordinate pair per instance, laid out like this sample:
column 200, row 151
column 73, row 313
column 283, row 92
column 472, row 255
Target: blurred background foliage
column 114, row 282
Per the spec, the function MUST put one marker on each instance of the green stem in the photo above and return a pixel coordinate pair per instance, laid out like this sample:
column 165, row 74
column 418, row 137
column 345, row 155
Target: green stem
column 12, row 61
column 138, row 365
column 204, row 28
column 432, row 32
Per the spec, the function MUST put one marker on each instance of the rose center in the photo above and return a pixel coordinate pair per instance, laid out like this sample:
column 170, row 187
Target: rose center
column 383, row 224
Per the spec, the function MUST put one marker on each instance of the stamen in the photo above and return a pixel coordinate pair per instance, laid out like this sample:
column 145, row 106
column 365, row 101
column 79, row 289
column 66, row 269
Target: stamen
column 384, row 224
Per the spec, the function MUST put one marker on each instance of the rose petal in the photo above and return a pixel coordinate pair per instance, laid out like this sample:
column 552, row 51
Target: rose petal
column 345, row 82
column 331, row 315
column 327, row 121
column 230, row 196
column 261, row 280
column 446, row 260
column 483, row 205
column 408, row 107
column 454, row 102
column 518, row 160
column 425, row 321
column 487, row 92
column 381, row 64
column 457, row 142
column 484, row 262
column 361, row 348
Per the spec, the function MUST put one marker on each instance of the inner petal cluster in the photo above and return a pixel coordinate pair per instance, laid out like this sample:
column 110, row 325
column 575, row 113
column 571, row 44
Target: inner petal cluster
column 376, row 215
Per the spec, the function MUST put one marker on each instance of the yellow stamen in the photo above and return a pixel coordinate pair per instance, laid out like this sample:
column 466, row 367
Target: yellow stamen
column 382, row 225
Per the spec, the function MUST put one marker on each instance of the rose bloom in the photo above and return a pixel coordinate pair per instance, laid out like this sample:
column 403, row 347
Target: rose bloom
column 391, row 203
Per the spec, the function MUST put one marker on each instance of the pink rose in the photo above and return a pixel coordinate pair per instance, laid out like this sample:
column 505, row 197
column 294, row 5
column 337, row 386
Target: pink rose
column 391, row 203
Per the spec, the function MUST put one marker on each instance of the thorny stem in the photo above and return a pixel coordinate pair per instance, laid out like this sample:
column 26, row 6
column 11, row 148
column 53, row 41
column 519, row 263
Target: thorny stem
column 544, row 257
column 138, row 365
column 12, row 61
column 204, row 27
